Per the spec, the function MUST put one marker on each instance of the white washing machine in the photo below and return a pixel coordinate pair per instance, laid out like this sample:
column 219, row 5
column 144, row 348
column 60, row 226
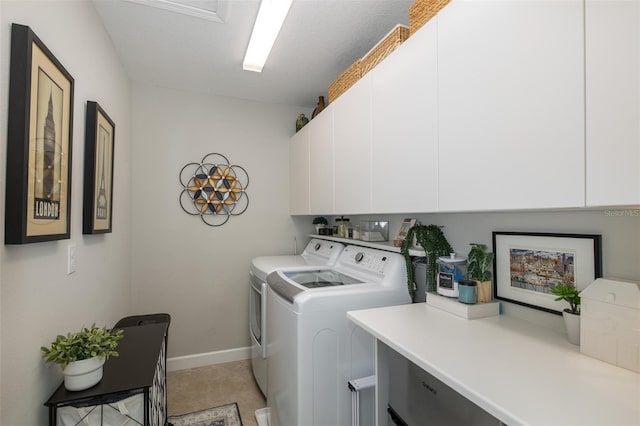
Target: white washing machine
column 318, row 253
column 313, row 349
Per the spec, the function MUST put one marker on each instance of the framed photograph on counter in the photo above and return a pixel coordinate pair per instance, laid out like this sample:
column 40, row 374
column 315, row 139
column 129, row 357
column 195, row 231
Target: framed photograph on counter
column 402, row 232
column 527, row 264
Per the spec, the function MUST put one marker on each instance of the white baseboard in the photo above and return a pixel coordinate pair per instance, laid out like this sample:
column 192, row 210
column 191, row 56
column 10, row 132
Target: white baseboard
column 209, row 358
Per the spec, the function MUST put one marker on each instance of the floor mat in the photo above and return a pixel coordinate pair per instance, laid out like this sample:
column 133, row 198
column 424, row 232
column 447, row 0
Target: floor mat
column 225, row 415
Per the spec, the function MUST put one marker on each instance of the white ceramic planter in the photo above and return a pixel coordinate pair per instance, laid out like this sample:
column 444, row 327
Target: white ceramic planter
column 572, row 324
column 81, row 375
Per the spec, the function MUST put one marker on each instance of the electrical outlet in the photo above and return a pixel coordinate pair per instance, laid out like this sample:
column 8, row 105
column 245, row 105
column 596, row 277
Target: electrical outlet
column 71, row 259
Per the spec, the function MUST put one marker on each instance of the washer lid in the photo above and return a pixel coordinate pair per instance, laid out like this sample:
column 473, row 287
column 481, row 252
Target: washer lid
column 320, row 278
column 289, row 283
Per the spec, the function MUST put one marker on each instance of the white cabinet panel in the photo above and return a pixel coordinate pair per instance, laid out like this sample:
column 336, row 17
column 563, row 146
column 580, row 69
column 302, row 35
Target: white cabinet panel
column 612, row 29
column 405, row 127
column 511, row 105
column 352, row 149
column 321, row 163
column 299, row 172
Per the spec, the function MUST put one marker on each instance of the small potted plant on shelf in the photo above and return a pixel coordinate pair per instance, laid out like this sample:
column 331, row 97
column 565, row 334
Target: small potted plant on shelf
column 320, row 222
column 81, row 355
column 571, row 315
column 479, row 264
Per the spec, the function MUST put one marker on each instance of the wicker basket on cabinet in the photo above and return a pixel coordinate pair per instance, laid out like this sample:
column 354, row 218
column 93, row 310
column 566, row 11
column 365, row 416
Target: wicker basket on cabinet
column 345, row 80
column 422, row 10
column 388, row 44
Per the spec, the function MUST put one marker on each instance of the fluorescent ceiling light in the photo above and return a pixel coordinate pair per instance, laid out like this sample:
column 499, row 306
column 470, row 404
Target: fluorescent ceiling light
column 265, row 31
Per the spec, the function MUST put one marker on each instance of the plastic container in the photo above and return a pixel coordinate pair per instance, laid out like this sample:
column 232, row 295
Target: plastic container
column 343, row 228
column 452, row 270
column 374, row 231
column 336, row 228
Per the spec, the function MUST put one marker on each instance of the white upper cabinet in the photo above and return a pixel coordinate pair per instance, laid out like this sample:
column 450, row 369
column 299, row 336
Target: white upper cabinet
column 352, row 149
column 321, row 163
column 404, row 153
column 613, row 102
column 299, row 172
column 511, row 105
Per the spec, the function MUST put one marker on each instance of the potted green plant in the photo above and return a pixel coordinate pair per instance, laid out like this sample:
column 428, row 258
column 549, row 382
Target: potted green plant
column 434, row 243
column 81, row 355
column 571, row 315
column 479, row 264
column 320, row 222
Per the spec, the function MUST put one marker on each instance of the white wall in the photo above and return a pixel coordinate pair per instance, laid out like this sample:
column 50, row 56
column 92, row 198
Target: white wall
column 198, row 273
column 38, row 299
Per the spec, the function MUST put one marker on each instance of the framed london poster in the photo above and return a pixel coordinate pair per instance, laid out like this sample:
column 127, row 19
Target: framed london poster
column 98, row 171
column 40, row 126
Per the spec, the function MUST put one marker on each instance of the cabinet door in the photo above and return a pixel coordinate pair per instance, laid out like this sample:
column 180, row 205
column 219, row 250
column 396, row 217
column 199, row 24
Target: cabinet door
column 511, row 105
column 404, row 153
column 321, row 163
column 352, row 149
column 299, row 172
column 612, row 29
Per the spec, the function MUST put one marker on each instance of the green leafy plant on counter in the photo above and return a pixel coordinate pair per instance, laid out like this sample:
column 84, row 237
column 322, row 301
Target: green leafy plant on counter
column 569, row 294
column 86, row 343
column 479, row 263
column 434, row 243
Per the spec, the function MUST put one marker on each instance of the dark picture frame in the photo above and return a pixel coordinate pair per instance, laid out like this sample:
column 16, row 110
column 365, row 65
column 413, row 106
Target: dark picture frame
column 39, row 143
column 526, row 263
column 98, row 170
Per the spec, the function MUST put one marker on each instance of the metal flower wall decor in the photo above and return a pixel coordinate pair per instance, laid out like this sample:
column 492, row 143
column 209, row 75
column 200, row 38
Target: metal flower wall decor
column 214, row 189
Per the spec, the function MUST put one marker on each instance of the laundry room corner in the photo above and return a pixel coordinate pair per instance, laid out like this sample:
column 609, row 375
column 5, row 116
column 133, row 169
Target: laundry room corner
column 181, row 265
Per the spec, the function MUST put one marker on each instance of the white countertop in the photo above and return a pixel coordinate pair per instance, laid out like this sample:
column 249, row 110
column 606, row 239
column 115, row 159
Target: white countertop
column 519, row 372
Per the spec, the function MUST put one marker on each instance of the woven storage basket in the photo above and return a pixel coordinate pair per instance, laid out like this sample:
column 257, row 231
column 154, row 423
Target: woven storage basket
column 422, row 10
column 345, row 80
column 388, row 44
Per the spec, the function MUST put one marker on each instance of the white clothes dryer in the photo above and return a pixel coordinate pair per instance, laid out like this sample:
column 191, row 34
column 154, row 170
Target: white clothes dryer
column 317, row 253
column 313, row 349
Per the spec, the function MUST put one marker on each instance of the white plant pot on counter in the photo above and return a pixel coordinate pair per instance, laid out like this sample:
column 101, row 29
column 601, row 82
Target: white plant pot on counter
column 81, row 375
column 572, row 324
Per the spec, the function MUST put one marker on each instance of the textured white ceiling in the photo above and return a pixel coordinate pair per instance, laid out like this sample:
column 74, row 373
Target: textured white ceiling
column 319, row 39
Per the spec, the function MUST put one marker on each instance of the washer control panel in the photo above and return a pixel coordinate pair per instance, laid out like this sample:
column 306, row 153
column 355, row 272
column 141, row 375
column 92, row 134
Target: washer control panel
column 364, row 259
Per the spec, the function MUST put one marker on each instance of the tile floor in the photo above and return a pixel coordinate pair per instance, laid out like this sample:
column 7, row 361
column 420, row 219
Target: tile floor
column 211, row 386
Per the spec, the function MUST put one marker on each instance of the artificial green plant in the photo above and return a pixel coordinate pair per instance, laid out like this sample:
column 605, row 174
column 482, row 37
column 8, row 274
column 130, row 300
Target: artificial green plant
column 84, row 344
column 479, row 263
column 569, row 294
column 434, row 243
column 320, row 220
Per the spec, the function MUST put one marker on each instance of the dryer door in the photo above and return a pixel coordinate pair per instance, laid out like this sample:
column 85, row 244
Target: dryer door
column 258, row 312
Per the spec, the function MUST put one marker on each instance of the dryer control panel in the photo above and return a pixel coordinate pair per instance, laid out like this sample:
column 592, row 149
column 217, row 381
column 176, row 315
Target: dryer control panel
column 321, row 249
